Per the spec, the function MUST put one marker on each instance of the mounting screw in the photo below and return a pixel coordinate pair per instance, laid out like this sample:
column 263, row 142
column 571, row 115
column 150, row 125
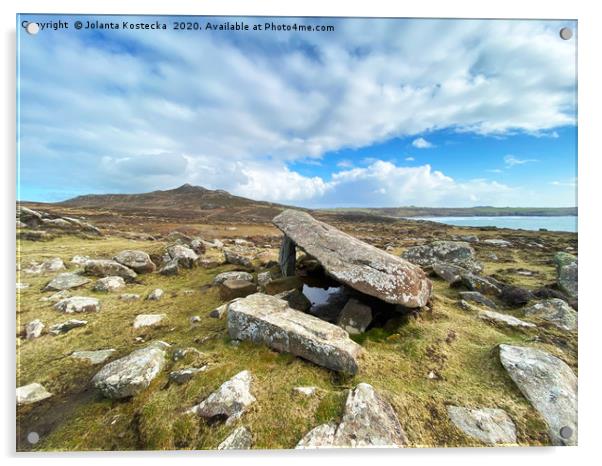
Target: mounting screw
column 566, row 33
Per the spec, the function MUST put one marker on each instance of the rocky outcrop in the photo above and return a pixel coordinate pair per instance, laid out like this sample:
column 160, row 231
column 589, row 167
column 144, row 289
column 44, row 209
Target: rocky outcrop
column 355, row 263
column 239, row 439
column 32, row 393
column 138, row 261
column 567, row 273
column 266, row 319
column 229, row 402
column 556, row 311
column 64, row 327
column 108, row 268
column 550, row 386
column 488, row 425
column 478, row 298
column 66, row 281
column 78, row 304
column 133, row 373
column 368, row 421
column 457, row 253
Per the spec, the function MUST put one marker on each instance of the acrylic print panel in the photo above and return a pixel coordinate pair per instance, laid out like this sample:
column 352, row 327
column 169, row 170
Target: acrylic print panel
column 279, row 233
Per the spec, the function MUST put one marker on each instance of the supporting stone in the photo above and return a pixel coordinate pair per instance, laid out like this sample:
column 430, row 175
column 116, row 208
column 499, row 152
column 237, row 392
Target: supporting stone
column 287, row 257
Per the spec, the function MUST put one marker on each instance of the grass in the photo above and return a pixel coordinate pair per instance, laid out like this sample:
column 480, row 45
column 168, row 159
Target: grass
column 452, row 343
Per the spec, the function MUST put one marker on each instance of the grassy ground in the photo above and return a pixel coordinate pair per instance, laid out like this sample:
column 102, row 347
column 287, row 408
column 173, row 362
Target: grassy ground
column 454, row 344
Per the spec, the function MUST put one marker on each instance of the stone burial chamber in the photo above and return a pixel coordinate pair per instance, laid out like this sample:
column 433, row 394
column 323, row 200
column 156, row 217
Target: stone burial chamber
column 374, row 280
column 352, row 262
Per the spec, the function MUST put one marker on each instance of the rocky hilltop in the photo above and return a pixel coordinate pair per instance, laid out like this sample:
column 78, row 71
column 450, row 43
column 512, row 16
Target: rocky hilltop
column 318, row 330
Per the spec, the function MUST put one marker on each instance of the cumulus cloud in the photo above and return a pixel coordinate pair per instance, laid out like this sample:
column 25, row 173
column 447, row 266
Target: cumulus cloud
column 421, row 143
column 130, row 111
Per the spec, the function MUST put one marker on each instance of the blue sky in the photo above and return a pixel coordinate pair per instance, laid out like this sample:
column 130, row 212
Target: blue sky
column 376, row 113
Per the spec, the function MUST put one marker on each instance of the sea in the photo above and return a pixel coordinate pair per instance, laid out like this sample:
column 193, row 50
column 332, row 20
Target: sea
column 560, row 223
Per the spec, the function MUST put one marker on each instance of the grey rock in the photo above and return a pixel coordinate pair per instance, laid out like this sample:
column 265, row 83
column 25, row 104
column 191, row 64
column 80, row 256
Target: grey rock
column 452, row 274
column 550, row 386
column 231, row 289
column 237, row 275
column 79, row 260
column 355, row 263
column 355, row 317
column 130, row 375
column 235, row 258
column 66, row 281
column 29, row 217
column 148, row 320
column 109, row 268
column 32, row 393
column 22, row 286
column 450, row 252
column 64, row 327
column 483, row 285
column 93, row 357
column 49, row 265
column 184, row 256
column 239, row 439
column 109, row 284
column 287, row 257
column 305, row 391
column 34, row 329
column 155, row 295
column 488, row 425
column 504, row 319
column 266, row 319
column 138, row 261
column 556, row 311
column 219, row 311
column 368, row 422
column 56, row 297
column 229, row 402
column 171, row 267
column 129, row 297
column 263, row 278
column 502, row 243
column 478, row 298
column 567, row 273
column 515, row 296
column 78, row 304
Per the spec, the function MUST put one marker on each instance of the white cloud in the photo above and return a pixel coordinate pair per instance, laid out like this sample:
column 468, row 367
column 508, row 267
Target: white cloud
column 511, row 161
column 409, row 159
column 230, row 113
column 494, row 170
column 345, row 164
column 421, row 143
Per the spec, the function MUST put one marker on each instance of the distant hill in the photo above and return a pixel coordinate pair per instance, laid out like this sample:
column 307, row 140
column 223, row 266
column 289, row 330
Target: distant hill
column 481, row 211
column 186, row 202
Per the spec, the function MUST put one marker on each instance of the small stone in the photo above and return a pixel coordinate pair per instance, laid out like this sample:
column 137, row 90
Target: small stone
column 263, row 278
column 56, row 297
column 66, row 326
column 229, row 402
column 22, row 286
column 109, row 284
column 78, row 304
column 129, row 297
column 50, row 265
column 31, row 393
column 355, row 317
column 505, row 319
column 237, row 259
column 148, row 320
column 478, row 298
column 93, row 357
column 34, row 329
column 109, row 268
column 138, row 261
column 239, row 439
column 515, row 296
column 79, row 260
column 182, row 255
column 231, row 289
column 155, row 295
column 184, row 375
column 195, row 319
column 305, row 391
column 502, row 243
column 237, row 275
column 555, row 311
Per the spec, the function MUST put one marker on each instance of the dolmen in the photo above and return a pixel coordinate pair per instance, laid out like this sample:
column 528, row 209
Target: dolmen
column 350, row 261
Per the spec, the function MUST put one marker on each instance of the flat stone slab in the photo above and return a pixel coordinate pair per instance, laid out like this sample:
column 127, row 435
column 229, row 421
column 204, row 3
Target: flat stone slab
column 488, row 425
column 239, row 439
column 266, row 319
column 368, row 422
column 550, row 386
column 93, row 357
column 504, row 319
column 78, row 304
column 32, row 393
column 66, row 281
column 64, row 327
column 236, row 275
column 357, row 264
column 108, row 268
column 138, row 261
column 133, row 373
column 148, row 320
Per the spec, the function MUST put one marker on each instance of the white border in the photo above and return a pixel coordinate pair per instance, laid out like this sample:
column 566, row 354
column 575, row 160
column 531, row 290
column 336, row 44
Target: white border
column 590, row 170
